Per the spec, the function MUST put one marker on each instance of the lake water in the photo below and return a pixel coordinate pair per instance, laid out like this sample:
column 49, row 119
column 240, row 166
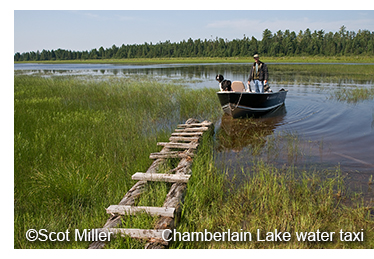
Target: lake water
column 329, row 132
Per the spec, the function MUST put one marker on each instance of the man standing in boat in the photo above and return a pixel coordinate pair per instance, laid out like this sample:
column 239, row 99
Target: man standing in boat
column 259, row 75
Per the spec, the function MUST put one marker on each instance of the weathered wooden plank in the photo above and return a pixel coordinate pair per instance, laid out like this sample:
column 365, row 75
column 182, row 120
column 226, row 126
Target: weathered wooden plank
column 171, row 154
column 187, row 139
column 182, row 169
column 153, row 235
column 174, row 198
column 192, row 129
column 172, row 178
column 187, row 133
column 174, row 195
column 133, row 193
column 155, row 165
column 128, row 199
column 202, row 124
column 116, row 220
column 178, row 145
column 156, row 245
column 131, row 210
column 138, row 233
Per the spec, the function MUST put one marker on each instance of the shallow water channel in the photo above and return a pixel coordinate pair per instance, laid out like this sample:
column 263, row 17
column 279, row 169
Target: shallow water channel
column 313, row 130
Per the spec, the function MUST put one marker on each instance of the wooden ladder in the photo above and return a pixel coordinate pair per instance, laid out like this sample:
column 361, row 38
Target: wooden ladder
column 186, row 140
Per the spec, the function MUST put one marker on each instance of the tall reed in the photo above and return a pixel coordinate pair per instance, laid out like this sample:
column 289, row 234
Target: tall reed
column 77, row 143
column 270, row 199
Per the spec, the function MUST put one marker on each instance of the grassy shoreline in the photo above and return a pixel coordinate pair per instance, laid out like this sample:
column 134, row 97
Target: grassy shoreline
column 270, row 200
column 77, row 143
column 315, row 59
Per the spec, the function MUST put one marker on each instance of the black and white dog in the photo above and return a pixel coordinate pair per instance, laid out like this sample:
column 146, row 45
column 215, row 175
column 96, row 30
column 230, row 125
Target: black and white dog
column 224, row 85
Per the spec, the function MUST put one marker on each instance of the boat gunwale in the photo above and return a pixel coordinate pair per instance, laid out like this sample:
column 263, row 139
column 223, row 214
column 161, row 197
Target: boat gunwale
column 232, row 92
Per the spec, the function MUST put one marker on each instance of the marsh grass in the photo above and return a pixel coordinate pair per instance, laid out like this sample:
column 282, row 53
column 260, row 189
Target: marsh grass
column 352, row 95
column 287, row 146
column 307, row 74
column 77, row 143
column 270, row 198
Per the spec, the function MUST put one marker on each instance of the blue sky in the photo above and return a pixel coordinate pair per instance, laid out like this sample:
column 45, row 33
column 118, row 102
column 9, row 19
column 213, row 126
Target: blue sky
column 84, row 30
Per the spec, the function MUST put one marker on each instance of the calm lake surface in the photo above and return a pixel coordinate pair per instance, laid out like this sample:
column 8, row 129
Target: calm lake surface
column 317, row 131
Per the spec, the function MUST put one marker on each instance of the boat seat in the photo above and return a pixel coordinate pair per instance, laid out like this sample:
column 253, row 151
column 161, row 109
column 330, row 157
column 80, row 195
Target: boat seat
column 237, row 86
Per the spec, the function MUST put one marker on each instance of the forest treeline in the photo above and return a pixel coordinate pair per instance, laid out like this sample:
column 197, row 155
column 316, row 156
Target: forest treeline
column 304, row 43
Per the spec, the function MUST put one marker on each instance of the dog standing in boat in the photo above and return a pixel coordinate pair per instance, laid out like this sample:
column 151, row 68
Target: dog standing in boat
column 224, row 85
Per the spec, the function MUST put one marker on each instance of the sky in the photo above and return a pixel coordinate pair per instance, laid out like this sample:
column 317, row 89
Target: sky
column 87, row 29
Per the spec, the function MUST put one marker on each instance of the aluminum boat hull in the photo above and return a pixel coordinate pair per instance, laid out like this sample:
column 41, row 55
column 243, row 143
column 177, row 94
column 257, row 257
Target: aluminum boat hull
column 245, row 104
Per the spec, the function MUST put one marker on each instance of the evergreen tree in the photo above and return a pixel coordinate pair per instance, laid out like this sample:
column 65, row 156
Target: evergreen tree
column 280, row 43
column 266, row 42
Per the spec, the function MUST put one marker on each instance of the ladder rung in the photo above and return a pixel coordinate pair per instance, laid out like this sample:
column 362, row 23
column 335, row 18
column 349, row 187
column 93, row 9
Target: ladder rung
column 178, row 145
column 192, row 129
column 187, row 133
column 172, row 178
column 138, row 233
column 131, row 210
column 172, row 154
column 189, row 139
column 202, row 124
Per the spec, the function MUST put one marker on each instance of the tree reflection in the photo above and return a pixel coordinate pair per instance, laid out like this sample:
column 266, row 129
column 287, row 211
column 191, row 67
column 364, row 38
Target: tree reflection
column 236, row 134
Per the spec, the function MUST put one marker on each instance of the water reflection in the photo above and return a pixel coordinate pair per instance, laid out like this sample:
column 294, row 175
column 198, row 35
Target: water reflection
column 236, row 134
column 203, row 75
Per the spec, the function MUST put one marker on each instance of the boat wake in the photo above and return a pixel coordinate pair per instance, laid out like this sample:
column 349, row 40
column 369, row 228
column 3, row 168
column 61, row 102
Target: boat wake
column 306, row 116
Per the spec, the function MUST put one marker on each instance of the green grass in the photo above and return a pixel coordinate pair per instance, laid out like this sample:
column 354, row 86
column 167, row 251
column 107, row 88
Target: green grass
column 77, row 143
column 269, row 199
column 354, row 95
column 323, row 73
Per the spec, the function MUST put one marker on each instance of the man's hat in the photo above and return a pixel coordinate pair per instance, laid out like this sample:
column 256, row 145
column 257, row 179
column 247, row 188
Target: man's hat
column 256, row 56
